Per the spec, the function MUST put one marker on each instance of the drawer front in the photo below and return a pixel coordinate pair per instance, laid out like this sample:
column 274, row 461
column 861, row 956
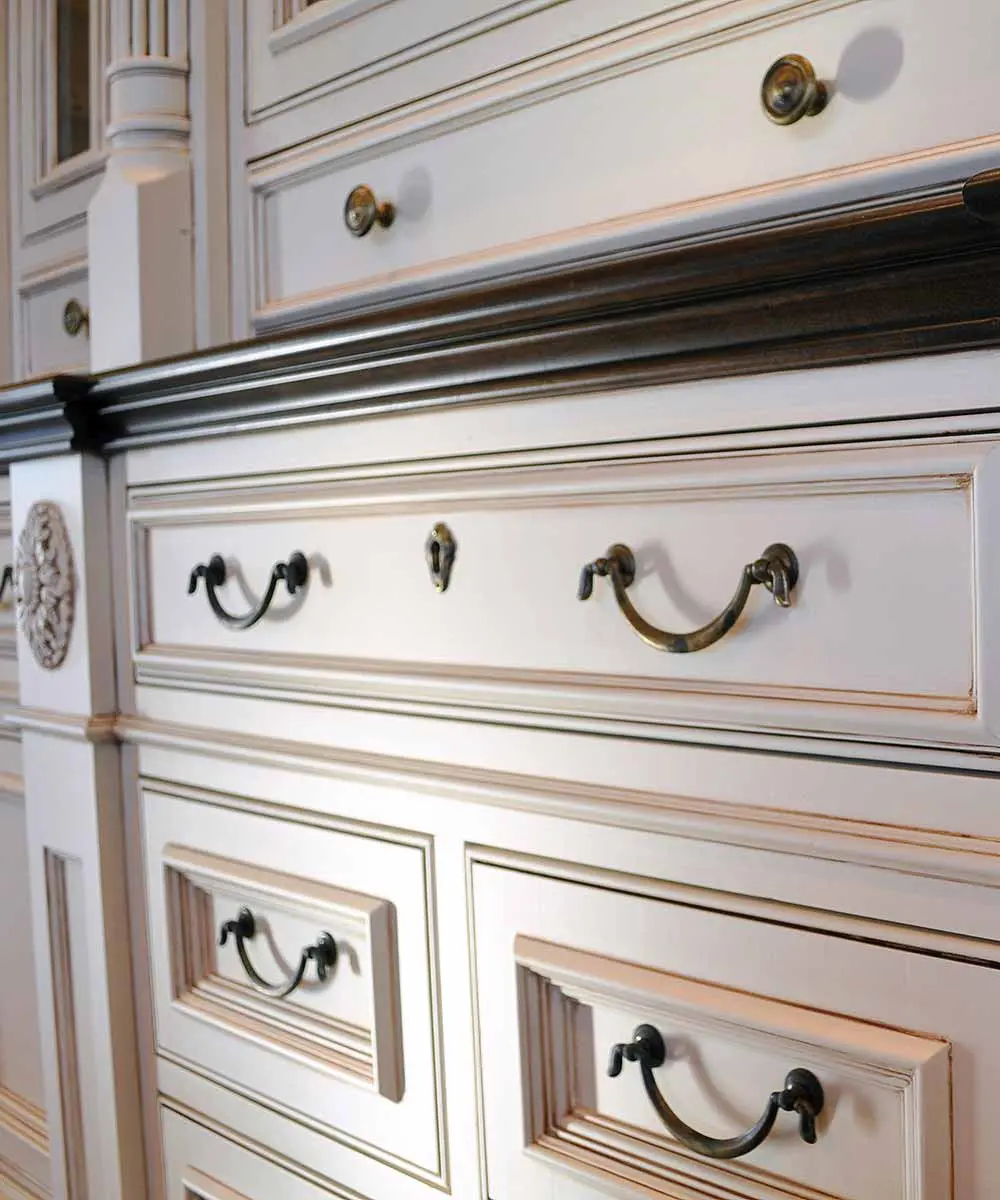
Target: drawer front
column 202, row 1165
column 49, row 344
column 880, row 633
column 673, row 116
column 298, row 47
column 901, row 1043
column 243, row 905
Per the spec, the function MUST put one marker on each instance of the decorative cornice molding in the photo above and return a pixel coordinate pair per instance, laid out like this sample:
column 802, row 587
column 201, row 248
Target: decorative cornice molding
column 51, row 416
column 895, row 278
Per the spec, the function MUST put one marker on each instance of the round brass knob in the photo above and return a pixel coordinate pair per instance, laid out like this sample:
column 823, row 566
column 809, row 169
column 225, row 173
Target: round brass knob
column 75, row 318
column 791, row 91
column 362, row 211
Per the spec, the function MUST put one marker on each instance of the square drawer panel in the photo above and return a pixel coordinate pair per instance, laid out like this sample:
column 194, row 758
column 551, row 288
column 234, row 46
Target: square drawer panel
column 277, row 976
column 881, row 635
column 900, row 1042
column 669, row 106
column 203, row 1165
column 55, row 337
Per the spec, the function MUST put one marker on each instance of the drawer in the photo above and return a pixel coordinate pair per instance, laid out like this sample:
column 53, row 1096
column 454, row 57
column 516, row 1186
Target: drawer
column 53, row 339
column 202, row 1165
column 881, row 634
column 242, row 907
column 673, row 117
column 714, row 1012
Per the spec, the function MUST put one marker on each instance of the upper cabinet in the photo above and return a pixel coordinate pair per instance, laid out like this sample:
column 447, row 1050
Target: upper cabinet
column 485, row 136
column 58, row 57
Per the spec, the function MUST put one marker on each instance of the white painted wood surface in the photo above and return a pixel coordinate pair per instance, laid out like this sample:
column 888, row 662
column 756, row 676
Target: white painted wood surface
column 24, row 1140
column 737, row 1002
column 202, row 1165
column 653, row 130
column 76, row 861
column 854, row 652
column 379, row 1002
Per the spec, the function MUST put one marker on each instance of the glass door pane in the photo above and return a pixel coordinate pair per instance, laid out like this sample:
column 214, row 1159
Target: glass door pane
column 72, row 78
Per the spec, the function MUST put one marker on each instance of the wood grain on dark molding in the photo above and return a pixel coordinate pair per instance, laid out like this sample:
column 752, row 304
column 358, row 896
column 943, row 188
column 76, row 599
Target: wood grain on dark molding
column 914, row 276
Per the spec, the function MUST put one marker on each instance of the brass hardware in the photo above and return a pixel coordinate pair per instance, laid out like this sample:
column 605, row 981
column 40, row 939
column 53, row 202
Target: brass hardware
column 440, row 550
column 981, row 196
column 801, row 1094
column 791, row 91
column 362, row 211
column 75, row 318
column 777, row 569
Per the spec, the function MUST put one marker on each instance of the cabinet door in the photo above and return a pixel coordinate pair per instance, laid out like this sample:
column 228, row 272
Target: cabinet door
column 57, row 80
column 24, row 1150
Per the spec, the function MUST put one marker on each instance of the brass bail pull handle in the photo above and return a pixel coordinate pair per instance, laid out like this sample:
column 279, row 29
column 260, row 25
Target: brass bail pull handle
column 802, row 1094
column 777, row 569
column 323, row 952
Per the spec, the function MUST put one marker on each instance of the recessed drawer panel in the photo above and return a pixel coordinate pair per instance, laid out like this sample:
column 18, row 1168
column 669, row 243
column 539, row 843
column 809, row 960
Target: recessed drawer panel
column 632, row 1043
column 202, row 1165
column 276, row 975
column 879, row 634
column 55, row 324
column 660, row 124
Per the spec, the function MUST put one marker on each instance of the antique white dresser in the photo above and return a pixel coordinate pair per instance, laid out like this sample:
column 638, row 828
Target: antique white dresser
column 530, row 731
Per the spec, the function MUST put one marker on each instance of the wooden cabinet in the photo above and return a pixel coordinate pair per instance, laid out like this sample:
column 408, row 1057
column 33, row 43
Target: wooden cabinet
column 58, row 54
column 566, row 973
column 535, row 131
column 535, row 736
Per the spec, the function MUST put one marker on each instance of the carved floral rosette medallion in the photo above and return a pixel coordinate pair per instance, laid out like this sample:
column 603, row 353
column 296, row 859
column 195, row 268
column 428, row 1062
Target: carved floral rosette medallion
column 45, row 584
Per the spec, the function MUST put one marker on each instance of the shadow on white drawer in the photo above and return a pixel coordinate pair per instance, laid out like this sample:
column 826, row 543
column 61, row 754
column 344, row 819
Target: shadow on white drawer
column 585, row 982
column 879, row 635
column 275, row 975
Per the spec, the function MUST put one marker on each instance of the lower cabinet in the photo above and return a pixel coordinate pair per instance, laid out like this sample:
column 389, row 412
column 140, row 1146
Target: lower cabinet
column 635, row 1046
column 292, row 964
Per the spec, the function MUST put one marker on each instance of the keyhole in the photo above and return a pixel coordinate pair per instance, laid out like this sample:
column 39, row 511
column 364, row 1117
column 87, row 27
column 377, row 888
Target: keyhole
column 440, row 551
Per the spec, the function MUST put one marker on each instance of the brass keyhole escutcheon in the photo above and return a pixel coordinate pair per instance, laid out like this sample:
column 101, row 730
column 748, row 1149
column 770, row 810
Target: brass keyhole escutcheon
column 440, row 551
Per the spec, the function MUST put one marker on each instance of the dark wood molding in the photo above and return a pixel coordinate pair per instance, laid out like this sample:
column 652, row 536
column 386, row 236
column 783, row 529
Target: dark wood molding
column 50, row 416
column 913, row 276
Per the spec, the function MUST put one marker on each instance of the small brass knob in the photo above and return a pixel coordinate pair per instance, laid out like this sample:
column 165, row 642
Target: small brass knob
column 362, row 211
column 75, row 318
column 791, row 91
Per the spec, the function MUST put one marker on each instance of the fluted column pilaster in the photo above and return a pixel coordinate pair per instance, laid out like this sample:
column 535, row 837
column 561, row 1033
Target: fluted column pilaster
column 140, row 235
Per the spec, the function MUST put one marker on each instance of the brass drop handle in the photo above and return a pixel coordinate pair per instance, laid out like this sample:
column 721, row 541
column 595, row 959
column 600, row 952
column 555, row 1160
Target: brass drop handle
column 362, row 211
column 791, row 91
column 75, row 317
column 777, row 569
column 802, row 1094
